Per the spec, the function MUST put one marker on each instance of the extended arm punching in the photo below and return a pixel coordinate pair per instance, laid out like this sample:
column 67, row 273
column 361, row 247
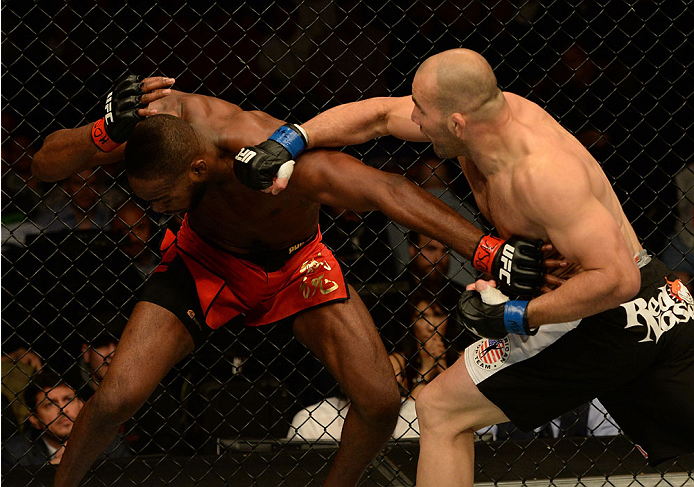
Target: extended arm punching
column 516, row 265
column 344, row 182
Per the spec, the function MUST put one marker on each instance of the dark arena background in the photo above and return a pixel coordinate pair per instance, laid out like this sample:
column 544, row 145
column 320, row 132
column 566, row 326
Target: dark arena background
column 244, row 408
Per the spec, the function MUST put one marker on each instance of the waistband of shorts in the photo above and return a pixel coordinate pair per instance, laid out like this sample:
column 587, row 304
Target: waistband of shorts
column 270, row 260
column 283, row 253
column 652, row 272
column 642, row 258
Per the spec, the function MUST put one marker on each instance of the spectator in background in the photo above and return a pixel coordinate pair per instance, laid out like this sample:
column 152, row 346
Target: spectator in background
column 679, row 254
column 434, row 175
column 428, row 277
column 432, row 343
column 428, row 346
column 136, row 231
column 77, row 206
column 155, row 427
column 429, row 263
column 53, row 407
column 100, row 337
column 72, row 205
column 18, row 367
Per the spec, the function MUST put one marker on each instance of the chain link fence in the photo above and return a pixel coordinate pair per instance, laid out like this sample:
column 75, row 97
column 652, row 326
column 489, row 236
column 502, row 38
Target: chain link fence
column 248, row 407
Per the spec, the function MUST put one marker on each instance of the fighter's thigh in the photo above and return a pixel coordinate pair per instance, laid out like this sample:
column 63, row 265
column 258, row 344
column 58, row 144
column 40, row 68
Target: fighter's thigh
column 344, row 338
column 153, row 341
column 453, row 402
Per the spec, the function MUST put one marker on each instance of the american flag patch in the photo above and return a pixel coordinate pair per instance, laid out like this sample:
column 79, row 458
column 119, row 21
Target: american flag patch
column 491, row 354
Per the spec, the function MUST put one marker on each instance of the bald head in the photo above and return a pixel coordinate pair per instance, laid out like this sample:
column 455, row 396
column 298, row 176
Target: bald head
column 463, row 80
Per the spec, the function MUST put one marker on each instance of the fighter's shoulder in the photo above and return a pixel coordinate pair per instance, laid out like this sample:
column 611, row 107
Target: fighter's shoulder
column 196, row 108
column 193, row 107
column 548, row 180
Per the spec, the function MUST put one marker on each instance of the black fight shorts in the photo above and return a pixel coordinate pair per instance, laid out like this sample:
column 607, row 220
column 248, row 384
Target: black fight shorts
column 637, row 359
column 175, row 290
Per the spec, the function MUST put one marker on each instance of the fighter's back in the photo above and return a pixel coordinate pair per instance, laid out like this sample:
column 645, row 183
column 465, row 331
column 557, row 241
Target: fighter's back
column 230, row 214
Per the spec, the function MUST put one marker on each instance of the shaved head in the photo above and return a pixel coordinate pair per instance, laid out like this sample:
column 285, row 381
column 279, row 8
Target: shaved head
column 463, row 79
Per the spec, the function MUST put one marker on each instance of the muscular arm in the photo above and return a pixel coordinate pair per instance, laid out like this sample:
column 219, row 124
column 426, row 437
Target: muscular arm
column 69, row 151
column 336, row 179
column 361, row 121
column 584, row 231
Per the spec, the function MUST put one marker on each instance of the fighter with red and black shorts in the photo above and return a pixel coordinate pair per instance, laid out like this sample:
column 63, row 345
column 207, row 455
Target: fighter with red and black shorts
column 206, row 286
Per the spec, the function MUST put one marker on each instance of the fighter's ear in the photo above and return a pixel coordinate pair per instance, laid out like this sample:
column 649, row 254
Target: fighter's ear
column 198, row 169
column 456, row 124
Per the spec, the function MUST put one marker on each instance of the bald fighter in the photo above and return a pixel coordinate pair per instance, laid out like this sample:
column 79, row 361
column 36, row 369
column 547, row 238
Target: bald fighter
column 621, row 329
column 243, row 251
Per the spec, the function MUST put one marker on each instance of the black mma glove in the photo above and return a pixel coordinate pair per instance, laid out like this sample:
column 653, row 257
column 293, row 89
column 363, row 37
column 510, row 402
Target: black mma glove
column 515, row 264
column 256, row 166
column 493, row 320
column 121, row 116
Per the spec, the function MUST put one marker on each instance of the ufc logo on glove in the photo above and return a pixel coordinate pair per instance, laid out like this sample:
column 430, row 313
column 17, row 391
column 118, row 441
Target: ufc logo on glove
column 245, row 155
column 506, row 260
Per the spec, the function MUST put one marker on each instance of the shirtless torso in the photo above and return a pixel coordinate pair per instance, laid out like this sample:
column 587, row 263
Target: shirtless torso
column 545, row 143
column 231, row 215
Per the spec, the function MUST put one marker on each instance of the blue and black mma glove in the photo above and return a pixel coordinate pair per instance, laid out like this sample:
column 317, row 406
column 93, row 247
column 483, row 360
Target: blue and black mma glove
column 493, row 320
column 515, row 264
column 121, row 107
column 256, row 166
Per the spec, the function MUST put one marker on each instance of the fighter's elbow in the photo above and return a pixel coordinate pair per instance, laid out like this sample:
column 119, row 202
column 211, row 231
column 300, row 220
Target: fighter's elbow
column 39, row 168
column 43, row 166
column 627, row 284
column 383, row 109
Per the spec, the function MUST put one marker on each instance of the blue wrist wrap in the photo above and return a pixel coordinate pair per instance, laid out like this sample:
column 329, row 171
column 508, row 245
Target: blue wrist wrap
column 289, row 139
column 514, row 314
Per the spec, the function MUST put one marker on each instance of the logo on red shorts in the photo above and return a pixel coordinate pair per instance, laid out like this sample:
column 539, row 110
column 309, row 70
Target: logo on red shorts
column 310, row 283
column 491, row 354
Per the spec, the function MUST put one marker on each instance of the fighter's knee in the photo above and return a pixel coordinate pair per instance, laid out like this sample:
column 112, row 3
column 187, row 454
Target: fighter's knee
column 433, row 412
column 425, row 406
column 380, row 409
column 113, row 406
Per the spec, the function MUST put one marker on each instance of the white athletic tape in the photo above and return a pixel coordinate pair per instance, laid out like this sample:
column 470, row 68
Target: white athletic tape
column 286, row 170
column 492, row 295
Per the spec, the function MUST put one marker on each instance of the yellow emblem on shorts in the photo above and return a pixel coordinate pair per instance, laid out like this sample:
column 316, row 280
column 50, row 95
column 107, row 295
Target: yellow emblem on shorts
column 310, row 266
column 310, row 284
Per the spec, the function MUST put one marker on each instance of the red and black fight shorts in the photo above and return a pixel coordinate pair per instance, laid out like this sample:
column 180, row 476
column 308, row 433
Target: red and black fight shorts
column 206, row 287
